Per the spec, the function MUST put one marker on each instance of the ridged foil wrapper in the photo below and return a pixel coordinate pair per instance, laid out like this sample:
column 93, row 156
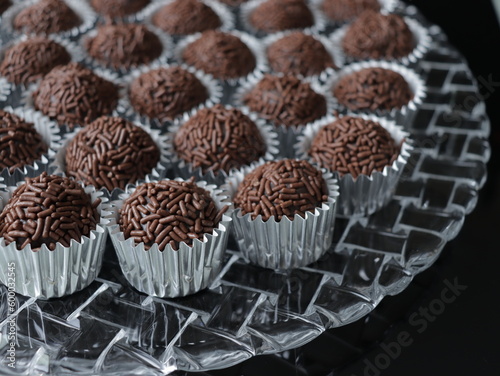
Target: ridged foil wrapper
column 367, row 193
column 47, row 274
column 172, row 273
column 285, row 244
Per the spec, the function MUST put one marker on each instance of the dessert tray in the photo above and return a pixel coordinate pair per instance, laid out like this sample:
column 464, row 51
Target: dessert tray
column 111, row 329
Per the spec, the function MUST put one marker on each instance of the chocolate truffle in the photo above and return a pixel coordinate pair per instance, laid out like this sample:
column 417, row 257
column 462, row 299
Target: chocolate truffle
column 4, row 5
column 346, row 10
column 299, row 54
column 73, row 95
column 378, row 36
column 222, row 55
column 118, row 8
column 124, row 45
column 166, row 93
column 352, row 145
column 373, row 89
column 281, row 188
column 167, row 213
column 278, row 15
column 183, row 17
column 30, row 60
column 20, row 143
column 46, row 17
column 285, row 101
column 111, row 152
column 48, row 209
column 219, row 138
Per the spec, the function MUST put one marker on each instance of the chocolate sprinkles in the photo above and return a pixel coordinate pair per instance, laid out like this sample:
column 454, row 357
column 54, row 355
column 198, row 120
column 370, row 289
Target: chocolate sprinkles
column 118, row 8
column 356, row 146
column 169, row 212
column 219, row 139
column 281, row 188
column 278, row 15
column 111, row 152
column 20, row 143
column 346, row 10
column 48, row 210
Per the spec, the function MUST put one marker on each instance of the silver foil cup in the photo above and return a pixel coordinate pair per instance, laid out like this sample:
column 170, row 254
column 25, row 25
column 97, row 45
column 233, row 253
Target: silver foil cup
column 5, row 90
column 47, row 274
column 172, row 273
column 80, row 7
column 181, row 168
column 421, row 37
column 285, row 244
column 415, row 82
column 367, row 193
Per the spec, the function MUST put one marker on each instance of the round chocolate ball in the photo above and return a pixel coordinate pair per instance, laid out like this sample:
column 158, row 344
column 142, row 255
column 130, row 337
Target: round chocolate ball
column 219, row 139
column 166, row 93
column 285, row 101
column 20, row 143
column 48, row 209
column 373, row 89
column 220, row 54
column 346, row 10
column 281, row 188
column 169, row 212
column 110, row 153
column 118, row 8
column 73, row 95
column 278, row 15
column 353, row 145
column 28, row 61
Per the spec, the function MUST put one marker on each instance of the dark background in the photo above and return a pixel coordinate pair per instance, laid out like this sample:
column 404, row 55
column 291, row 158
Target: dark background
column 464, row 338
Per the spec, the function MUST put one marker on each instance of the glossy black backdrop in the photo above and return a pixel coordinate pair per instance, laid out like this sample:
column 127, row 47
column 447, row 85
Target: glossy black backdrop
column 464, row 338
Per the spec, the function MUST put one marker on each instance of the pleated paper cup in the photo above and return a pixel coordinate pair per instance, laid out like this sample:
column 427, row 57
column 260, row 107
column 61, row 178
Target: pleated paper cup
column 284, row 244
column 365, row 194
column 46, row 274
column 172, row 273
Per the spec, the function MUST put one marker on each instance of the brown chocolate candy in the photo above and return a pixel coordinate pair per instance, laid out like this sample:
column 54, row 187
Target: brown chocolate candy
column 281, row 188
column 299, row 54
column 118, row 8
column 4, row 5
column 111, row 152
column 346, row 10
column 278, row 15
column 166, row 93
column 373, row 89
column 48, row 210
column 378, row 36
column 124, row 45
column 219, row 138
column 20, row 143
column 46, row 17
column 183, row 17
column 73, row 95
column 222, row 55
column 30, row 60
column 285, row 101
column 352, row 145
column 167, row 213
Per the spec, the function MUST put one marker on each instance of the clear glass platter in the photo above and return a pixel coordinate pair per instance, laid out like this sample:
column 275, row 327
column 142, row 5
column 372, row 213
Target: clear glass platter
column 111, row 329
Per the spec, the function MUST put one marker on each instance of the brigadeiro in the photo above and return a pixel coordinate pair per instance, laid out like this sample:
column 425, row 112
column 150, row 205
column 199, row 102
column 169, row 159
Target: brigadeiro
column 219, row 139
column 166, row 93
column 284, row 212
column 124, row 45
column 346, row 10
column 373, row 89
column 271, row 16
column 46, row 17
column 222, row 55
column 28, row 61
column 118, row 8
column 299, row 54
column 74, row 95
column 378, row 36
column 183, row 17
column 285, row 100
column 110, row 153
column 20, row 143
